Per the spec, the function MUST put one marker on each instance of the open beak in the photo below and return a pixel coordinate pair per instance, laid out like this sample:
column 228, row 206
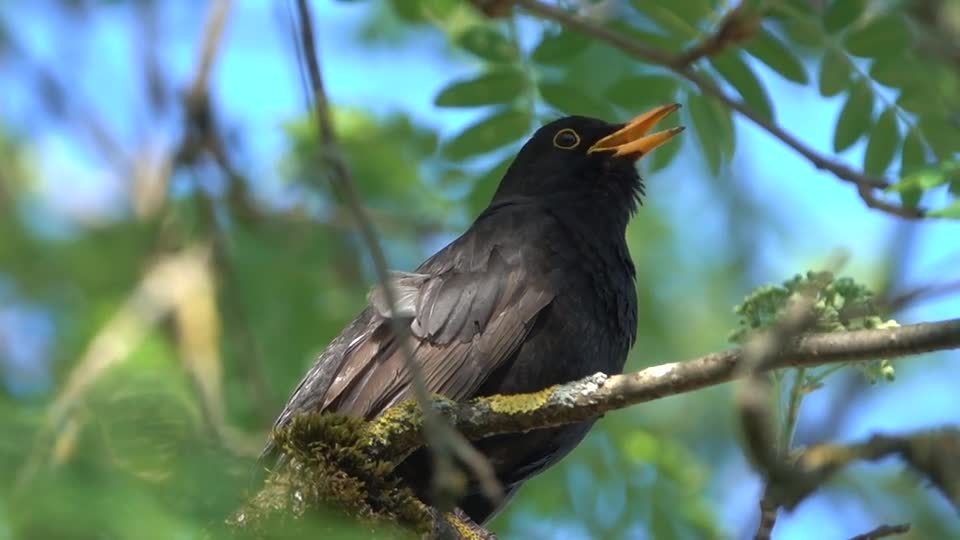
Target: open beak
column 632, row 140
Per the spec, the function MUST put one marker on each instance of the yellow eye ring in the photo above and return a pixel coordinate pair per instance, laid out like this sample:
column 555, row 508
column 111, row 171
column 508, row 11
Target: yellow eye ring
column 566, row 139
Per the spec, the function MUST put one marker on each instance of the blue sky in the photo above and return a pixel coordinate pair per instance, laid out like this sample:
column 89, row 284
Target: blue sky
column 258, row 83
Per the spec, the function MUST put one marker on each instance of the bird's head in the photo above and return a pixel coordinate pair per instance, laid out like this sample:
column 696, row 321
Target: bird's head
column 586, row 159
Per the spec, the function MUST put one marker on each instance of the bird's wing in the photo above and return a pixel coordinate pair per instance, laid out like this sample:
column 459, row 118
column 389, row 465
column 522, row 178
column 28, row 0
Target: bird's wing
column 468, row 310
column 463, row 325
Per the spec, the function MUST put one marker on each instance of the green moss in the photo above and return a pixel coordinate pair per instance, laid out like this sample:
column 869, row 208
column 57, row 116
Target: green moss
column 330, row 466
column 345, row 463
column 519, row 403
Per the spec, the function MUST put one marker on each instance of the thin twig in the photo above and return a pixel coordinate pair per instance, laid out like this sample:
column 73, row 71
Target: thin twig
column 768, row 517
column 883, row 531
column 865, row 183
column 797, row 392
column 739, row 25
column 212, row 39
column 442, row 443
column 931, row 453
column 922, row 293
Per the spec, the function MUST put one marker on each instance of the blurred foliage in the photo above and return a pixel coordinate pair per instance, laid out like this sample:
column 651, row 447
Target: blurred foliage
column 837, row 305
column 142, row 452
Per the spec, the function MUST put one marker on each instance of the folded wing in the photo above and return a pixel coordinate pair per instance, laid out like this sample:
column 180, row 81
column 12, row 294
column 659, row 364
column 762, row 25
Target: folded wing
column 467, row 311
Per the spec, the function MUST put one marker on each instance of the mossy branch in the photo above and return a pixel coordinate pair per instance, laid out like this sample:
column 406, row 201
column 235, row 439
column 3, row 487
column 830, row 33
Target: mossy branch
column 348, row 463
column 597, row 394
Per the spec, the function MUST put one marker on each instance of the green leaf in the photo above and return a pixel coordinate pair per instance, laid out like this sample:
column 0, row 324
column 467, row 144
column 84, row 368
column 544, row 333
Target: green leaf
column 411, row 12
column 692, row 11
column 739, row 74
column 914, row 154
column 929, row 177
column 788, row 9
column 572, row 100
column 785, row 9
column 896, row 71
column 855, row 117
column 713, row 131
column 920, row 97
column 834, row 73
column 678, row 18
column 446, row 14
column 654, row 38
column 559, row 48
column 777, row 56
column 495, row 131
column 727, row 133
column 804, row 31
column 912, row 186
column 487, row 43
column 951, row 212
column 886, row 35
column 884, row 140
column 842, row 13
column 942, row 135
column 637, row 92
column 910, row 195
column 498, row 86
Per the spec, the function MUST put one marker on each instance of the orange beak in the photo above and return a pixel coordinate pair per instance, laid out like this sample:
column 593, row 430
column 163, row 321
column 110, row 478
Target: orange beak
column 632, row 140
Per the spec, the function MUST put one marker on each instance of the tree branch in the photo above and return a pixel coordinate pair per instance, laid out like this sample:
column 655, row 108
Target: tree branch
column 678, row 64
column 884, row 531
column 387, row 440
column 768, row 517
column 933, row 454
column 739, row 25
column 598, row 394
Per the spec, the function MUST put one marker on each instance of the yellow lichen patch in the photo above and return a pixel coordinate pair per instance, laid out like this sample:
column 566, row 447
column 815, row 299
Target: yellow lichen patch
column 465, row 531
column 518, row 403
column 401, row 420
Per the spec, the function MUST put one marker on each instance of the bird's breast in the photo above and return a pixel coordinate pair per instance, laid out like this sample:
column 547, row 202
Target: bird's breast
column 589, row 326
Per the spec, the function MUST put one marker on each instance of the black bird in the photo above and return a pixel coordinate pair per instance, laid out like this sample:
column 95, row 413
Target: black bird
column 538, row 291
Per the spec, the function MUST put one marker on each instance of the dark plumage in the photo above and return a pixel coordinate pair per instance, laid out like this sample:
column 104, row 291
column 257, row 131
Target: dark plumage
column 538, row 291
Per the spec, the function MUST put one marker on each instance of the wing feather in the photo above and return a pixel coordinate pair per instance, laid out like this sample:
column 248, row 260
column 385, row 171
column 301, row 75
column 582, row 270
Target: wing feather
column 469, row 308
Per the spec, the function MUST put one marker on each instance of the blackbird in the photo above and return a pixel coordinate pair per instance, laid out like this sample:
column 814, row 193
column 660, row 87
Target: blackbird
column 538, row 291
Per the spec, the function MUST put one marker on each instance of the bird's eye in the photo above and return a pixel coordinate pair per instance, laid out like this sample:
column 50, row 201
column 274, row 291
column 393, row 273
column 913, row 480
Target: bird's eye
column 566, row 138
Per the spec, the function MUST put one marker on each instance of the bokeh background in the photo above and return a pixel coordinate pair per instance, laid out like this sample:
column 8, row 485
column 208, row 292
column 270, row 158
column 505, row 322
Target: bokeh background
column 172, row 258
